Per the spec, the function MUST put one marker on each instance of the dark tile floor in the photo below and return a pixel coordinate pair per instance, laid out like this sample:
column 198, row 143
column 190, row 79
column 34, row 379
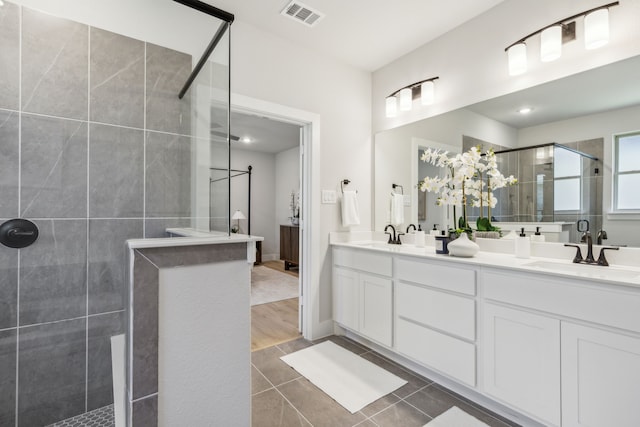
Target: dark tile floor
column 283, row 398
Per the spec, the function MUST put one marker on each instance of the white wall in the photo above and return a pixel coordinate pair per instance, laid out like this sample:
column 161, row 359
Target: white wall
column 262, row 195
column 341, row 95
column 472, row 64
column 276, row 70
column 603, row 125
column 287, row 180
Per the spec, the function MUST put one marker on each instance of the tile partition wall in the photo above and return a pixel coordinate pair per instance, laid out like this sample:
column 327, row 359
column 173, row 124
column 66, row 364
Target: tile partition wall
column 95, row 148
column 143, row 355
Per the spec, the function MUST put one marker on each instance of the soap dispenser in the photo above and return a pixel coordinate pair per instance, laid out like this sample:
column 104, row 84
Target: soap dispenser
column 435, row 231
column 523, row 245
column 537, row 236
column 419, row 237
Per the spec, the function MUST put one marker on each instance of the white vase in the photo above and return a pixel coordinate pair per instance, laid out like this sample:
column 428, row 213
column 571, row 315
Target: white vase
column 463, row 247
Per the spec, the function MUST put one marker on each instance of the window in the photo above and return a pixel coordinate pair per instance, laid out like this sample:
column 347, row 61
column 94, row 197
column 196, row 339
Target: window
column 567, row 174
column 626, row 175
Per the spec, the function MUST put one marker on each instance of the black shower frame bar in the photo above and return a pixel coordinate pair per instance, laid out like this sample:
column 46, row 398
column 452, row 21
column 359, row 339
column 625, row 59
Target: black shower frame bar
column 223, row 15
column 227, row 19
column 549, row 144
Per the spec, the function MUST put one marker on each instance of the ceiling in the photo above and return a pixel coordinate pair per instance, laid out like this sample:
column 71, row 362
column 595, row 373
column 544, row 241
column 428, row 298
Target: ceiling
column 366, row 34
column 393, row 28
column 256, row 133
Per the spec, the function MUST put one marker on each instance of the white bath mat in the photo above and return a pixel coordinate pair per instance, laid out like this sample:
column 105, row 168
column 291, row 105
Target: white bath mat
column 347, row 378
column 455, row 417
column 269, row 285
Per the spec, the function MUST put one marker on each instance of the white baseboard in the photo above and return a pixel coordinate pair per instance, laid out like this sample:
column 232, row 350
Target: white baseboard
column 270, row 257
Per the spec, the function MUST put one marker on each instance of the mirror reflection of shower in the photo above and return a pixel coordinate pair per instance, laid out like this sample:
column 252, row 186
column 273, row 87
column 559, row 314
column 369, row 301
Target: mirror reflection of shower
column 556, row 183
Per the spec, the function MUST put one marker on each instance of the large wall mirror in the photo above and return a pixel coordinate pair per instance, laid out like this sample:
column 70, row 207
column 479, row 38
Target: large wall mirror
column 584, row 112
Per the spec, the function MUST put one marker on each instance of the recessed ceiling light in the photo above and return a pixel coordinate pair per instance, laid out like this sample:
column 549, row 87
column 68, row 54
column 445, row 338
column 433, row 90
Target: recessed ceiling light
column 525, row 110
column 246, row 140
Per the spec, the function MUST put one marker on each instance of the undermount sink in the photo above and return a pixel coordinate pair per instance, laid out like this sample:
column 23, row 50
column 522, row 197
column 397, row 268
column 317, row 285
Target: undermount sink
column 384, row 245
column 379, row 245
column 584, row 270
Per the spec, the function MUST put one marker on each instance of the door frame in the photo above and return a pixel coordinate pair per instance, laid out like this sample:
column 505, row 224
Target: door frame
column 310, row 216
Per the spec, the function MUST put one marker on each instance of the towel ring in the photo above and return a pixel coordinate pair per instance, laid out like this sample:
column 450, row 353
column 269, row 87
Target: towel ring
column 394, row 186
column 343, row 183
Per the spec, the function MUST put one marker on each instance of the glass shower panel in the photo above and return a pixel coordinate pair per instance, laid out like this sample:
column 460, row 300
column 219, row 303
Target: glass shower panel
column 97, row 148
column 210, row 180
column 220, row 141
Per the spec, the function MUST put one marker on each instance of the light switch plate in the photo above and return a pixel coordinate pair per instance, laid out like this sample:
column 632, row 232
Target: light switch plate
column 407, row 200
column 329, row 196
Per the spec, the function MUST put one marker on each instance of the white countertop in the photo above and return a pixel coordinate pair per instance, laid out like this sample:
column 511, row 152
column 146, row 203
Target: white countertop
column 191, row 237
column 553, row 265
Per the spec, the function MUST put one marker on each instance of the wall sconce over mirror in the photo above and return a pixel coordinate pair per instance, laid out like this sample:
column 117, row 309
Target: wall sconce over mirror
column 596, row 34
column 424, row 89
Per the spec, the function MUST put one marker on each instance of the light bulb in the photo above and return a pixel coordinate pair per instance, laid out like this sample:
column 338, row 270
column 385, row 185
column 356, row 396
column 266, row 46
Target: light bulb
column 391, row 106
column 551, row 43
column 406, row 99
column 427, row 93
column 517, row 55
column 596, row 29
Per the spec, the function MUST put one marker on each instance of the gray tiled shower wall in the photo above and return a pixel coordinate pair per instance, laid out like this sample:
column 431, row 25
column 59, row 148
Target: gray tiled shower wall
column 95, row 148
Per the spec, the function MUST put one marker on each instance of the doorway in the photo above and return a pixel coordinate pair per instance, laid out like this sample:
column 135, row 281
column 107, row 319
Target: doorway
column 272, row 148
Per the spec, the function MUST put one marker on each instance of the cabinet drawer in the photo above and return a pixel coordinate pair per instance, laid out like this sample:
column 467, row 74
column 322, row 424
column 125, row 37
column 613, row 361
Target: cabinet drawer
column 435, row 275
column 450, row 313
column 603, row 304
column 363, row 260
column 448, row 355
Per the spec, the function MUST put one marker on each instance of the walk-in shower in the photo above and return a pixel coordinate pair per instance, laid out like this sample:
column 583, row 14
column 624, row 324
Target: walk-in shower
column 97, row 147
column 556, row 183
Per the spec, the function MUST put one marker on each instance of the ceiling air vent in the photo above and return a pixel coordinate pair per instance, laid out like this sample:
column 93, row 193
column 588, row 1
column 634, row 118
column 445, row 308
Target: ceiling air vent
column 302, row 13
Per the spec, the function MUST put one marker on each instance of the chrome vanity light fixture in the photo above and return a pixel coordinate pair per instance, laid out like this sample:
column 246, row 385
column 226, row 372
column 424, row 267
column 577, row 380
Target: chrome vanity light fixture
column 425, row 89
column 596, row 34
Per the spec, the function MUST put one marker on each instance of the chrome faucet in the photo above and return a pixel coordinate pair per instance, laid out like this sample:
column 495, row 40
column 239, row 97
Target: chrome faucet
column 393, row 238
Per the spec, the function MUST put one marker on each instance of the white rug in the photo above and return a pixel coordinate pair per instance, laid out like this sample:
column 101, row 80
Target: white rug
column 347, row 378
column 269, row 285
column 455, row 417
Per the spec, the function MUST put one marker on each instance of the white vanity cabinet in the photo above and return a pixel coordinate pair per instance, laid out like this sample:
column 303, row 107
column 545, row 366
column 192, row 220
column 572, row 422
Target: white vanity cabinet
column 435, row 316
column 522, row 360
column 564, row 351
column 600, row 377
column 363, row 293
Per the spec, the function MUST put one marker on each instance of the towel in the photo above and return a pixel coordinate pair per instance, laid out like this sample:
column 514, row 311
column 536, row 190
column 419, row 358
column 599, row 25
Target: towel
column 397, row 209
column 350, row 214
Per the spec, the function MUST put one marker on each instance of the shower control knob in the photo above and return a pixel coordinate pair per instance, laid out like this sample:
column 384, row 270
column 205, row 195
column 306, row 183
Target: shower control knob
column 18, row 233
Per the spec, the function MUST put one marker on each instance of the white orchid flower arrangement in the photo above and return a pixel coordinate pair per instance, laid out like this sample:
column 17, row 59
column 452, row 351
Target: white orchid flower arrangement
column 467, row 174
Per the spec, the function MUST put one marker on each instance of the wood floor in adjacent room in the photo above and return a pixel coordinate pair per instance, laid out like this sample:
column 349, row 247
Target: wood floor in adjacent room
column 275, row 322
